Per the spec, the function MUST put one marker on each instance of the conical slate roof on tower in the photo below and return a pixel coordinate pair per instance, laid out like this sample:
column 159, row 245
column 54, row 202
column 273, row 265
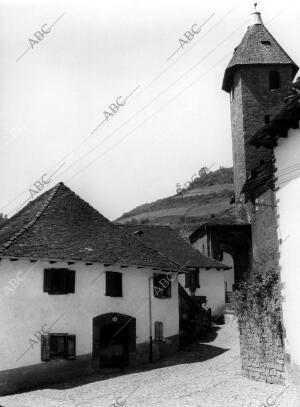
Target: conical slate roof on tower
column 257, row 47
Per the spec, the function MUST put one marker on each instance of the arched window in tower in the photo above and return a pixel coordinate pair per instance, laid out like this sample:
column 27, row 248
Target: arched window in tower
column 274, row 80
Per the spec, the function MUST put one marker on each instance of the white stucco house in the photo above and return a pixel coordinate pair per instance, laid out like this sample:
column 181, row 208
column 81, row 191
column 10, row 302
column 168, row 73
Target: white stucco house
column 205, row 280
column 226, row 237
column 78, row 293
column 282, row 175
column 204, row 245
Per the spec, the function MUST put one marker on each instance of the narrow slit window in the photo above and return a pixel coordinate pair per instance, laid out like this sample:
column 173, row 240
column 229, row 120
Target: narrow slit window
column 274, row 80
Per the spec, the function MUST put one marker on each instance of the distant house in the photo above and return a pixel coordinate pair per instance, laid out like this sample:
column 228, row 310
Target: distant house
column 282, row 175
column 227, row 238
column 78, row 292
column 205, row 280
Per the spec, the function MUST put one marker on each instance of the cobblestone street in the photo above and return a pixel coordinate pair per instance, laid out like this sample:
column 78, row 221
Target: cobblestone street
column 206, row 374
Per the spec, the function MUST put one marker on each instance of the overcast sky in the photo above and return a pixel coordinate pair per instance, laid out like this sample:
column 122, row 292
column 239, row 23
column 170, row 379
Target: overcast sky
column 176, row 120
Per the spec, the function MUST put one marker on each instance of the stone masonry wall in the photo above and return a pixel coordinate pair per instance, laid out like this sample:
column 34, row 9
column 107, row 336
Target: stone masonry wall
column 262, row 354
column 252, row 101
column 261, row 335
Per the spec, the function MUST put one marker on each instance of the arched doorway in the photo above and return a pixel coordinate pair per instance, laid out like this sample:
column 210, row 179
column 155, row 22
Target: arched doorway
column 114, row 339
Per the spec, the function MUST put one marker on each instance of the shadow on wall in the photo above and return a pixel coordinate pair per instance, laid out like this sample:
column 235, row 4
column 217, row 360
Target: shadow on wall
column 194, row 353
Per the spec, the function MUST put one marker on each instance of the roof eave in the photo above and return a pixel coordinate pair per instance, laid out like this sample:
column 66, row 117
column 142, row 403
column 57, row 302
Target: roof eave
column 227, row 80
column 94, row 262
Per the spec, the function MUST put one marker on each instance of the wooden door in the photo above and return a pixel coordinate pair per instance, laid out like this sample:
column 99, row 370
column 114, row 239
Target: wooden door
column 113, row 349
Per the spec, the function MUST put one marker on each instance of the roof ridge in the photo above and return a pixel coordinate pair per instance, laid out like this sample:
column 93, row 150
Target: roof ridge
column 18, row 234
column 143, row 226
column 217, row 263
column 121, row 228
column 150, row 248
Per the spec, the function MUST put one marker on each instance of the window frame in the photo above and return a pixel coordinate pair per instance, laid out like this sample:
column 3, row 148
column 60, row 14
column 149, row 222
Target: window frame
column 274, row 78
column 192, row 279
column 109, row 289
column 57, row 336
column 68, row 286
column 159, row 291
column 158, row 331
column 69, row 351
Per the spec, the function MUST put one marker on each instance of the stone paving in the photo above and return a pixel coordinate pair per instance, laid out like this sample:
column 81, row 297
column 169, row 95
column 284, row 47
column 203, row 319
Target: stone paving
column 206, row 374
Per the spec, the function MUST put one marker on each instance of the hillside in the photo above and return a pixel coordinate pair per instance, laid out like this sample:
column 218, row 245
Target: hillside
column 196, row 201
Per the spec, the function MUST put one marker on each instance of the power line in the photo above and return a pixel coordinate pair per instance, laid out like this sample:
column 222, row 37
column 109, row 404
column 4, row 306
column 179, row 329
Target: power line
column 142, row 109
column 139, row 111
column 144, row 121
column 175, row 81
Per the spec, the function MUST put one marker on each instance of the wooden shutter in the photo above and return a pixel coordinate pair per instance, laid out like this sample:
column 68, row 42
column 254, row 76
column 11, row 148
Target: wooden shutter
column 187, row 280
column 113, row 284
column 70, row 347
column 118, row 284
column 45, row 348
column 197, row 278
column 70, row 281
column 47, row 280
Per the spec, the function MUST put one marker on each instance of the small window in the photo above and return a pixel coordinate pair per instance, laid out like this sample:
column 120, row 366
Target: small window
column 113, row 284
column 192, row 280
column 203, row 248
column 232, row 93
column 161, row 286
column 158, row 331
column 137, row 233
column 274, row 80
column 267, row 118
column 59, row 281
column 266, row 42
column 58, row 346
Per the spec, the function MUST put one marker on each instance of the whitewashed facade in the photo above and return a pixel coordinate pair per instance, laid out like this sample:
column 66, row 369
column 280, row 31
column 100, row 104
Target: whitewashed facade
column 288, row 206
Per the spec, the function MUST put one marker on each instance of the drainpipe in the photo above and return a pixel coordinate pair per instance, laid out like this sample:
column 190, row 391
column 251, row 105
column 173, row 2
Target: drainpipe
column 150, row 320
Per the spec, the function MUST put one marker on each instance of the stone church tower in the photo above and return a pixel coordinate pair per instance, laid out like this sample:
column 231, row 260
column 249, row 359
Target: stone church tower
column 257, row 78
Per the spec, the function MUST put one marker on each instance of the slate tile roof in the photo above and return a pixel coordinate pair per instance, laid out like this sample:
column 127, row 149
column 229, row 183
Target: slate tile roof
column 257, row 47
column 168, row 242
column 60, row 225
